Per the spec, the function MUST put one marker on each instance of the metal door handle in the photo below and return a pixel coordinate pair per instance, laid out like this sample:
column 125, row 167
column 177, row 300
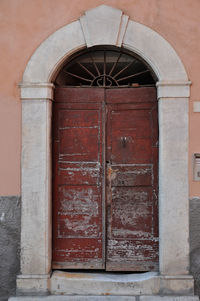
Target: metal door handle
column 124, row 141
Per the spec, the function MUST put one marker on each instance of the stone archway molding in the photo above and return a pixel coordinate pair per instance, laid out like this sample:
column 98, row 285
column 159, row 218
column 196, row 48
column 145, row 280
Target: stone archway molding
column 105, row 25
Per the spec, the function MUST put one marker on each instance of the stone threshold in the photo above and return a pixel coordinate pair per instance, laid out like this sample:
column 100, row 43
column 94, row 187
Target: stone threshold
column 113, row 284
column 92, row 283
column 104, row 286
column 108, row 298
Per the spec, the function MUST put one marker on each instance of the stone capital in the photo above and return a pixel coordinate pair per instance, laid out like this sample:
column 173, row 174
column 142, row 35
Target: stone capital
column 173, row 89
column 39, row 91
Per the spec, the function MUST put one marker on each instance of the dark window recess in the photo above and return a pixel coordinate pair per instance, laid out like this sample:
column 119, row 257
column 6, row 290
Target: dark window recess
column 105, row 68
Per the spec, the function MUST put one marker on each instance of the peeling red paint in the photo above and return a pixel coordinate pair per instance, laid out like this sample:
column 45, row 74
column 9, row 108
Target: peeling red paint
column 105, row 142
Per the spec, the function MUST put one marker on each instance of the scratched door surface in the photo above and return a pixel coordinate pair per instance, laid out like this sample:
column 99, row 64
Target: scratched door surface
column 78, row 231
column 132, row 156
column 105, row 151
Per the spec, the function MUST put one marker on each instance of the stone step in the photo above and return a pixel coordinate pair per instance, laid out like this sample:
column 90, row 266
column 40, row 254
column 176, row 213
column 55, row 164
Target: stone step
column 107, row 285
column 107, row 298
column 104, row 284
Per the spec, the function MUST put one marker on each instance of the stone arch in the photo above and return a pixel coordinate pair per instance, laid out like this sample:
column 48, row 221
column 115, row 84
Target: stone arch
column 104, row 25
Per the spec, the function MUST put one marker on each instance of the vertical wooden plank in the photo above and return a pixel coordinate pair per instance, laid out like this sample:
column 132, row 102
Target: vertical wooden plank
column 78, row 179
column 132, row 214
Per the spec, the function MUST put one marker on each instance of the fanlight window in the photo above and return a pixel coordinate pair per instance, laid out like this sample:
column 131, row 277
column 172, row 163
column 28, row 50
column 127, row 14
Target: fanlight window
column 105, row 68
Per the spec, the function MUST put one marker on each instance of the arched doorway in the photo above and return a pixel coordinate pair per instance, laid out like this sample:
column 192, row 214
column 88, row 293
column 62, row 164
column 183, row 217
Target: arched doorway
column 105, row 170
column 105, row 25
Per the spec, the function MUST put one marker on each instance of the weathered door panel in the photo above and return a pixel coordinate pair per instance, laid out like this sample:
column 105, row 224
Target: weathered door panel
column 131, row 255
column 78, row 229
column 112, row 131
column 132, row 136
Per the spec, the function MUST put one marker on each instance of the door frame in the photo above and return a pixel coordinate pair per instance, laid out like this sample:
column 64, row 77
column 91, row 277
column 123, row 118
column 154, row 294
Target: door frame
column 111, row 27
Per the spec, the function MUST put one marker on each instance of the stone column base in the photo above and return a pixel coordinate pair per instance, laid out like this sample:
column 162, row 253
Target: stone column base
column 28, row 285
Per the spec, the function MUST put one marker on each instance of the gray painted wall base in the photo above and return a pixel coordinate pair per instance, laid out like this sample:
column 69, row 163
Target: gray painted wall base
column 108, row 298
column 195, row 242
column 9, row 244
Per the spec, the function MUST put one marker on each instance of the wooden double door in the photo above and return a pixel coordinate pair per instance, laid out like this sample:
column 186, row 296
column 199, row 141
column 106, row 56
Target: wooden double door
column 105, row 183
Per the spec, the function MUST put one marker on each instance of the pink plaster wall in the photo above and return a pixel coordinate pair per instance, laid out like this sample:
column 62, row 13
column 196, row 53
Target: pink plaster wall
column 24, row 24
